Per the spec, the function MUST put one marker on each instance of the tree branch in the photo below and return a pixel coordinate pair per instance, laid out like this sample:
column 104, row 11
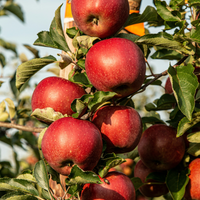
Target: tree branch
column 20, row 127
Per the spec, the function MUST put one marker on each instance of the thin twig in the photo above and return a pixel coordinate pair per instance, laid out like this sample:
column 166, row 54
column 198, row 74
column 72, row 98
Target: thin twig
column 20, row 127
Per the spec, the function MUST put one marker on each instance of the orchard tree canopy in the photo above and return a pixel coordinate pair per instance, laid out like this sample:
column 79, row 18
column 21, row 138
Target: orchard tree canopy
column 178, row 40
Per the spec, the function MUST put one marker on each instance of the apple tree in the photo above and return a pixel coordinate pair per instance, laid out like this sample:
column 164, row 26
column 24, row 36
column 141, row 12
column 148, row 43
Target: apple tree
column 165, row 148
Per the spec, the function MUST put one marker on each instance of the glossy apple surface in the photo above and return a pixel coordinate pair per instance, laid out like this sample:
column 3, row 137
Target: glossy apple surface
column 115, row 186
column 100, row 18
column 57, row 93
column 160, row 149
column 193, row 187
column 121, row 127
column 150, row 189
column 69, row 141
column 116, row 65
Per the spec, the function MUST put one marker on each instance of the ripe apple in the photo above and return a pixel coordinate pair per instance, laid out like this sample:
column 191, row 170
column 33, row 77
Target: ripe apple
column 193, row 187
column 57, row 93
column 150, row 189
column 160, row 149
column 100, row 18
column 115, row 186
column 69, row 141
column 121, row 127
column 116, row 65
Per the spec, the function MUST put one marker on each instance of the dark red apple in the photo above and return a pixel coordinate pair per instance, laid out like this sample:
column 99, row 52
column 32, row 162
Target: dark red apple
column 116, row 65
column 121, row 127
column 160, row 149
column 115, row 186
column 57, row 93
column 69, row 141
column 193, row 187
column 100, row 18
column 150, row 189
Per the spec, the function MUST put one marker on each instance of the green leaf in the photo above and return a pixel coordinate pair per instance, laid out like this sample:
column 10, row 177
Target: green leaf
column 17, row 196
column 194, row 137
column 55, row 37
column 184, row 84
column 108, row 162
column 131, row 37
column 29, row 68
column 27, row 176
column 2, row 60
column 158, row 41
column 152, row 120
column 167, row 54
column 15, row 9
column 11, row 107
column 81, row 79
column 78, row 176
column 176, row 181
column 8, row 184
column 194, row 3
column 78, row 105
column 185, row 124
column 81, row 63
column 149, row 14
column 196, row 34
column 164, row 12
column 159, row 176
column 86, row 41
column 47, row 115
column 136, row 182
column 40, row 174
column 99, row 99
column 34, row 51
column 164, row 103
column 71, row 32
column 194, row 149
column 8, row 46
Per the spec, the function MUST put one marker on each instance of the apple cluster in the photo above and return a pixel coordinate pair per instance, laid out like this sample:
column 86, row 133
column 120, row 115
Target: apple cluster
column 117, row 65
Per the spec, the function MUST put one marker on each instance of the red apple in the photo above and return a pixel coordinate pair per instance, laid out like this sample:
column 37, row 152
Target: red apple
column 116, row 65
column 69, row 141
column 57, row 93
column 100, row 18
column 193, row 187
column 121, row 127
column 115, row 186
column 160, row 149
column 150, row 189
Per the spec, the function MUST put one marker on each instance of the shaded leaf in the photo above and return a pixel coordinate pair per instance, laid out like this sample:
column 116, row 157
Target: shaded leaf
column 176, row 181
column 11, row 107
column 194, row 149
column 29, row 68
column 2, row 60
column 167, row 54
column 137, row 183
column 8, row 46
column 194, row 137
column 186, row 124
column 108, row 162
column 34, row 51
column 157, row 40
column 164, row 12
column 184, row 84
column 149, row 14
